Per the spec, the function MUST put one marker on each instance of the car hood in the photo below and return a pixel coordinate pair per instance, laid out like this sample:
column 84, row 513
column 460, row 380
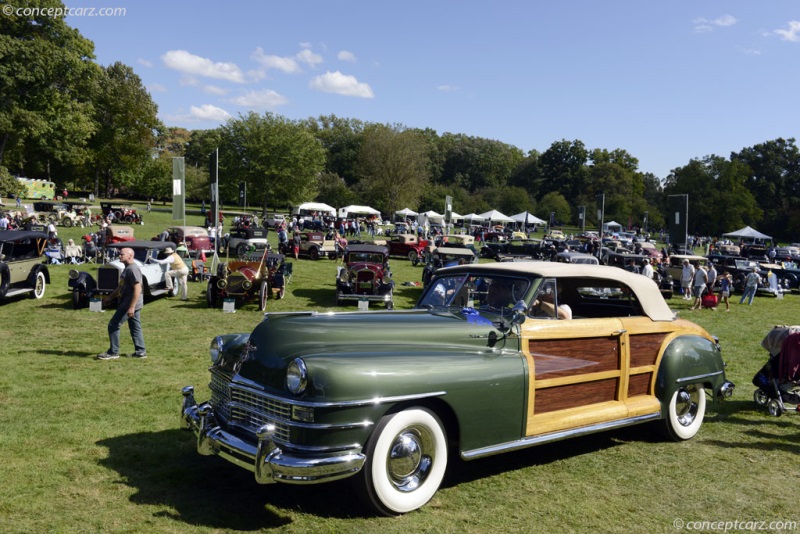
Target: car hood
column 358, row 337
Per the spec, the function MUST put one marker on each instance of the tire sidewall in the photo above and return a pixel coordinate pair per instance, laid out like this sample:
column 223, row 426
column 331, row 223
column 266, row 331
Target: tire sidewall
column 676, row 430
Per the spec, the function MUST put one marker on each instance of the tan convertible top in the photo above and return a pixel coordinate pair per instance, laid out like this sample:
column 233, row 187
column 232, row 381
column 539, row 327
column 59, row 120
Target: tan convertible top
column 645, row 289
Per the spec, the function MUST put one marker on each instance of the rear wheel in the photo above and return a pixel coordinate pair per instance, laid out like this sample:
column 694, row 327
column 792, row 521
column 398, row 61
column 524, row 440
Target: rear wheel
column 774, row 408
column 77, row 299
column 313, row 253
column 686, row 411
column 406, row 461
column 413, row 256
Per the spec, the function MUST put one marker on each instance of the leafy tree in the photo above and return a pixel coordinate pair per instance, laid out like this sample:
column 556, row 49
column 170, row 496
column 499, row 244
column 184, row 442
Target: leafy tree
column 342, row 140
column 477, row 163
column 278, row 159
column 563, row 169
column 775, row 183
column 45, row 109
column 334, row 191
column 8, row 184
column 393, row 165
column 555, row 202
column 623, row 189
column 126, row 122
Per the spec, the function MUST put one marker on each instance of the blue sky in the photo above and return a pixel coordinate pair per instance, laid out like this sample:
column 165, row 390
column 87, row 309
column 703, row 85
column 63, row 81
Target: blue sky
column 666, row 81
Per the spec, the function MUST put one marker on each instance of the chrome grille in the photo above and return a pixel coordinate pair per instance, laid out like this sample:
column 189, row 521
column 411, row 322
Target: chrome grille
column 248, row 409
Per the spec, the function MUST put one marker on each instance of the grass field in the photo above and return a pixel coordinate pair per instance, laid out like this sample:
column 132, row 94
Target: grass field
column 91, row 446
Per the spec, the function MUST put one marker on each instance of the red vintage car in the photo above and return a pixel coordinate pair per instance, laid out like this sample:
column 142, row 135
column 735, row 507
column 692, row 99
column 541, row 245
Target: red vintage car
column 365, row 275
column 408, row 245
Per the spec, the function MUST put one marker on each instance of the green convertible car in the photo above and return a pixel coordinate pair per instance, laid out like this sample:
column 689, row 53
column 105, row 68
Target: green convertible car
column 494, row 358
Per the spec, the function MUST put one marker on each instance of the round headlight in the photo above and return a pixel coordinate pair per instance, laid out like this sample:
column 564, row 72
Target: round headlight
column 247, row 284
column 216, row 349
column 296, row 376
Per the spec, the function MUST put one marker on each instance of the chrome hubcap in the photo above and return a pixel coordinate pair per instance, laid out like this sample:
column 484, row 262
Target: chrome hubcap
column 410, row 458
column 686, row 407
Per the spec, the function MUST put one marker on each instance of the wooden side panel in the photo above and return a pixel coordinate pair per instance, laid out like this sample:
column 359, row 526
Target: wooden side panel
column 575, row 395
column 639, row 384
column 556, row 358
column 644, row 348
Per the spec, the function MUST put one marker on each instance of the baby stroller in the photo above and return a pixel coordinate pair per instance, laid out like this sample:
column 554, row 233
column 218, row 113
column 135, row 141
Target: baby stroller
column 778, row 382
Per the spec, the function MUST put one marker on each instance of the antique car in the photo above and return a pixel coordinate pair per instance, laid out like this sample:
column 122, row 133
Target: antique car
column 122, row 213
column 243, row 240
column 675, row 266
column 569, row 256
column 63, row 213
column 459, row 241
column 408, row 245
column 154, row 275
column 22, row 268
column 255, row 276
column 739, row 268
column 195, row 238
column 116, row 233
column 445, row 257
column 313, row 244
column 515, row 248
column 365, row 275
column 480, row 367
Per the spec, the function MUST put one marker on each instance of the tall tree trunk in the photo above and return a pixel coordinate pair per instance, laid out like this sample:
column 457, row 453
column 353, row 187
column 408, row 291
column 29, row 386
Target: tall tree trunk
column 3, row 142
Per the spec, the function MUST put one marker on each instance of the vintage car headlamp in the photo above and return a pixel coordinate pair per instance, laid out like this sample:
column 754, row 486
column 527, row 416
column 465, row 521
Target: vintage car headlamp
column 222, row 283
column 247, row 284
column 296, row 376
column 74, row 274
column 217, row 346
column 343, row 276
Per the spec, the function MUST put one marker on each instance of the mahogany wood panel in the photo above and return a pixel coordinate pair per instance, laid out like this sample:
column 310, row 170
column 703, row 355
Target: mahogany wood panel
column 639, row 384
column 644, row 348
column 574, row 395
column 554, row 358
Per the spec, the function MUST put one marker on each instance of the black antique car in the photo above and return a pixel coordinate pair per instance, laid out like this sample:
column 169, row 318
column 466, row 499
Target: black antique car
column 365, row 275
column 445, row 257
column 514, row 248
column 256, row 275
column 22, row 268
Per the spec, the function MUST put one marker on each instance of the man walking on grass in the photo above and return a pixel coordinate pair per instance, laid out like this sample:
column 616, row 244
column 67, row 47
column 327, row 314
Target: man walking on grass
column 130, row 305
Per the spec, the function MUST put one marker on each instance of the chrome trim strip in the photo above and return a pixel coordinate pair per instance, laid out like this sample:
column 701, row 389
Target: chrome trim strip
column 556, row 436
column 698, row 377
column 244, row 383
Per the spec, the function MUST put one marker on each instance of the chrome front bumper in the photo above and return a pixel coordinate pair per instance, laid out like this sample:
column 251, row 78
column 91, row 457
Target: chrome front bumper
column 265, row 459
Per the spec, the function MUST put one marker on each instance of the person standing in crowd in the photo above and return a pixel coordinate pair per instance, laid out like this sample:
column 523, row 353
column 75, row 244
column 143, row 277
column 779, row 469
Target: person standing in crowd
column 178, row 269
column 750, row 286
column 725, row 285
column 687, row 274
column 647, row 269
column 129, row 308
column 699, row 283
column 712, row 278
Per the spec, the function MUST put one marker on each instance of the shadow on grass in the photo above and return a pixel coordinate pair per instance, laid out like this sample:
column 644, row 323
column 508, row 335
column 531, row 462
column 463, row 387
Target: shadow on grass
column 165, row 470
column 324, row 297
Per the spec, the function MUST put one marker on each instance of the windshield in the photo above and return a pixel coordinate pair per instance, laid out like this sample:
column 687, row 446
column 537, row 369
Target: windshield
column 497, row 294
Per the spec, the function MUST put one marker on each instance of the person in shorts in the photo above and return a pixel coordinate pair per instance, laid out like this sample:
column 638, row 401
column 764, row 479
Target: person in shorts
column 725, row 286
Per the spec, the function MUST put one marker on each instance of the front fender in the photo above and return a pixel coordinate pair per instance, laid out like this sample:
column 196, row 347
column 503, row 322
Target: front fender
column 82, row 281
column 689, row 359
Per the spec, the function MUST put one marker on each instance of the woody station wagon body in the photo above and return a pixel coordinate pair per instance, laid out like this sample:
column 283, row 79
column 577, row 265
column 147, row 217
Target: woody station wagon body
column 480, row 367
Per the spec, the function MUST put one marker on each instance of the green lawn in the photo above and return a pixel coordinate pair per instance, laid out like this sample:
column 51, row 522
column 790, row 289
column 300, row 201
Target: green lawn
column 93, row 446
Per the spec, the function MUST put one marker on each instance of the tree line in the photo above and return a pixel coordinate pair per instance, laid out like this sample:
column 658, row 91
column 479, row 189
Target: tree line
column 95, row 128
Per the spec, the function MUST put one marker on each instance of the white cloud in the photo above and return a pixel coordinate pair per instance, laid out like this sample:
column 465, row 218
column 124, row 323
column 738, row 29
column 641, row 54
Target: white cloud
column 156, row 88
column 266, row 99
column 214, row 90
column 346, row 55
column 447, row 88
column 144, row 62
column 207, row 112
column 188, row 63
column 341, row 84
column 309, row 58
column 285, row 64
column 702, row 25
column 792, row 34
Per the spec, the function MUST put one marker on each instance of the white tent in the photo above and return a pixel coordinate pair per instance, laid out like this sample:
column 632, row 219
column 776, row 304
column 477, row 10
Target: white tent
column 314, row 206
column 357, row 210
column 406, row 212
column 455, row 216
column 612, row 226
column 496, row 216
column 431, row 216
column 748, row 233
column 527, row 218
column 473, row 217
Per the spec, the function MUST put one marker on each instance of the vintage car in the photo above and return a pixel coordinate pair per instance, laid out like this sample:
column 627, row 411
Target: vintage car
column 365, row 275
column 480, row 367
column 84, row 286
column 569, row 256
column 257, row 275
column 22, row 268
column 739, row 268
column 408, row 245
column 63, row 213
column 122, row 214
column 459, row 241
column 116, row 233
column 313, row 244
column 242, row 240
column 195, row 238
column 445, row 257
column 674, row 268
column 515, row 248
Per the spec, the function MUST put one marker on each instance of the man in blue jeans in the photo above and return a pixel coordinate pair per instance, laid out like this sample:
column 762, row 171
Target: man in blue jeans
column 750, row 287
column 130, row 304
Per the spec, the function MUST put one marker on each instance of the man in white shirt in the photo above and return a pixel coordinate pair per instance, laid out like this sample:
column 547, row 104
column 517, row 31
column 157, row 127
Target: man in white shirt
column 647, row 269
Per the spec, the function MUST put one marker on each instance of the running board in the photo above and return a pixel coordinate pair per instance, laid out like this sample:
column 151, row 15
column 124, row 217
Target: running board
column 18, row 291
column 556, row 436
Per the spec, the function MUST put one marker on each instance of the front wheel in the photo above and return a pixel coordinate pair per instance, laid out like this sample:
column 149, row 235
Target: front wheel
column 413, row 257
column 39, row 285
column 406, row 461
column 313, row 254
column 263, row 293
column 211, row 293
column 687, row 408
column 760, row 397
column 66, row 222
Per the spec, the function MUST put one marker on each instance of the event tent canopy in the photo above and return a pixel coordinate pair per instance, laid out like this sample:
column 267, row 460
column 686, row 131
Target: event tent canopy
column 357, row 210
column 432, row 216
column 455, row 216
column 406, row 212
column 612, row 226
column 496, row 216
column 314, row 206
column 527, row 218
column 748, row 233
column 473, row 217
